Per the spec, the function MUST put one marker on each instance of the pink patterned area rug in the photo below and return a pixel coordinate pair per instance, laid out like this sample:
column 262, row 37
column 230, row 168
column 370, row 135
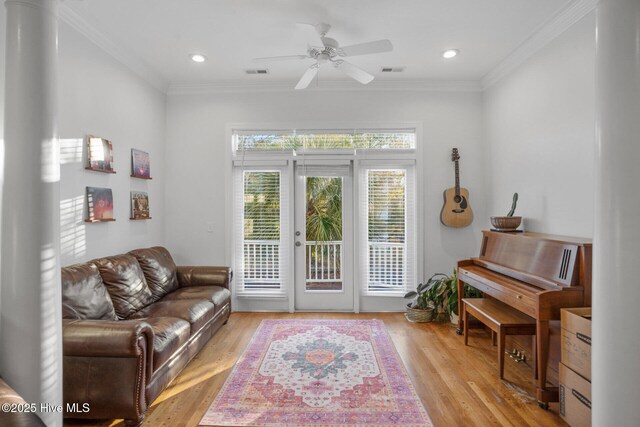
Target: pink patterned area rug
column 318, row 373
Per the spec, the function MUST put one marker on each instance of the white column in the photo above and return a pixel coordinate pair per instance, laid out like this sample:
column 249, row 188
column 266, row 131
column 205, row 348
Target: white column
column 30, row 330
column 616, row 262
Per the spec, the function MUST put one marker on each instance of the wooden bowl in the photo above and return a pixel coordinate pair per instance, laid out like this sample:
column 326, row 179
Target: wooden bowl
column 506, row 223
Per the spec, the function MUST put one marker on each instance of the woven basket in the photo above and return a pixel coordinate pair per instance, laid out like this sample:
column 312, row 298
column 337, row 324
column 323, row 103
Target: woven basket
column 419, row 316
column 506, row 222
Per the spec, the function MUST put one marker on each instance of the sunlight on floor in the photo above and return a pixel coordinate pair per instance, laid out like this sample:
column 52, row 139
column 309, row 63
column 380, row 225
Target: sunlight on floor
column 193, row 378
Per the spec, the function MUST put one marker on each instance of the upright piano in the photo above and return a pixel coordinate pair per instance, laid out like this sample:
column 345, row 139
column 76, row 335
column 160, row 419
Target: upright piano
column 537, row 274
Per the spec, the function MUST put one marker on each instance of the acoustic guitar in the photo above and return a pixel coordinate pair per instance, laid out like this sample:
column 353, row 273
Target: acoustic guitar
column 456, row 211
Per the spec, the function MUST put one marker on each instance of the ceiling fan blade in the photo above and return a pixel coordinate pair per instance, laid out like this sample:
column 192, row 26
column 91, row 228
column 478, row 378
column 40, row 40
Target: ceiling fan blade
column 313, row 35
column 354, row 72
column 279, row 58
column 307, row 77
column 377, row 46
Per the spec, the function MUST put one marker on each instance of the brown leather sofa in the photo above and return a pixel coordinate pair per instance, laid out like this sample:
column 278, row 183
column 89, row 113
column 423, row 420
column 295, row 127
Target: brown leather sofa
column 131, row 323
column 18, row 413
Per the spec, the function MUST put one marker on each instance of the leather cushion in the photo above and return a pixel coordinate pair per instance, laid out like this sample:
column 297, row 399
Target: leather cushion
column 84, row 295
column 196, row 312
column 170, row 334
column 218, row 295
column 159, row 270
column 204, row 276
column 125, row 282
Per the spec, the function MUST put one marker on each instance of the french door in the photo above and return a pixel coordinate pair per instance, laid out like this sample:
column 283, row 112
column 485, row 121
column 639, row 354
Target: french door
column 324, row 248
column 302, row 240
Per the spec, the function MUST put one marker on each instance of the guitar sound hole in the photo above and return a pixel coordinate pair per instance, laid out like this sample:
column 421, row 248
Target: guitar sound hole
column 457, row 199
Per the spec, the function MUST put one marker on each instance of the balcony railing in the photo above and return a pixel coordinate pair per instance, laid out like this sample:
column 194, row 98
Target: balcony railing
column 387, row 266
column 324, row 262
column 261, row 264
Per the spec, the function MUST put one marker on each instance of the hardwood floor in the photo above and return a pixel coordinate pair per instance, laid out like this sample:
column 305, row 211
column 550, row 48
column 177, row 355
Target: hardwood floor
column 458, row 385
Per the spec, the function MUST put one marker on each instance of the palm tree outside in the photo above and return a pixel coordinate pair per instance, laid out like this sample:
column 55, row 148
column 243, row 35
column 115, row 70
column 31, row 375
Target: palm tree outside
column 324, row 233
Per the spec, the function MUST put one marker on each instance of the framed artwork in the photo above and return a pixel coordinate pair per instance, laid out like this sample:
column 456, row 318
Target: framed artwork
column 99, row 154
column 99, row 204
column 139, row 205
column 140, row 164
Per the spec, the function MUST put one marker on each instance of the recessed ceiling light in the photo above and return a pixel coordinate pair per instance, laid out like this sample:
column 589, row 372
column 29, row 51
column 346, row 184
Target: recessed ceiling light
column 448, row 54
column 196, row 57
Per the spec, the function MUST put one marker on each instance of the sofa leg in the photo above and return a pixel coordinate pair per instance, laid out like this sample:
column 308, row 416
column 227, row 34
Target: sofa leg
column 226, row 321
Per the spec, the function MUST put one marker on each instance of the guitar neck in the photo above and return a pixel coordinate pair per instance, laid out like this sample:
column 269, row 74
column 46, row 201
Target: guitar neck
column 457, row 179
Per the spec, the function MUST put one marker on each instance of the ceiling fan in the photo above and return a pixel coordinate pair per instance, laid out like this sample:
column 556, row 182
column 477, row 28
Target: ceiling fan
column 327, row 51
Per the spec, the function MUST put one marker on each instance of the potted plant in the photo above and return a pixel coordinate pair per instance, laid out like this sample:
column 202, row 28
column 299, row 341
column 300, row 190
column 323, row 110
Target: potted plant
column 509, row 222
column 452, row 301
column 440, row 292
column 430, row 298
column 421, row 308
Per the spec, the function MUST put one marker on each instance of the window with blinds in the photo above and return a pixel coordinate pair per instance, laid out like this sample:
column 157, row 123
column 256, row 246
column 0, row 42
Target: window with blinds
column 388, row 246
column 261, row 224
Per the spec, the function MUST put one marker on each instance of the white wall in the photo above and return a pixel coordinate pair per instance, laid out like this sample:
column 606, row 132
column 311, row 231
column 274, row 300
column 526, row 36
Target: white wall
column 100, row 96
column 3, row 37
column 539, row 131
column 197, row 152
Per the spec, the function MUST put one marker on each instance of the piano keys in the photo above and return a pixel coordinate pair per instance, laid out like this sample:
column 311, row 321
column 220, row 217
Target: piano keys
column 537, row 274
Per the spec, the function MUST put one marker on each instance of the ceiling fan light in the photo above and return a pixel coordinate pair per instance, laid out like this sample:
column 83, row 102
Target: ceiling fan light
column 197, row 57
column 450, row 53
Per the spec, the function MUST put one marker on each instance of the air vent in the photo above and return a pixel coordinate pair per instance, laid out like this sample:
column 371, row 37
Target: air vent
column 564, row 267
column 258, row 71
column 393, row 69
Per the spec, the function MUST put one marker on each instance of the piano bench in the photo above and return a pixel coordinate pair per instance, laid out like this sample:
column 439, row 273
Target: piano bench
column 502, row 319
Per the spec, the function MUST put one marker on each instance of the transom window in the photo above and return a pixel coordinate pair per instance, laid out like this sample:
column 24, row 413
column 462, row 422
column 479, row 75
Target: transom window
column 324, row 140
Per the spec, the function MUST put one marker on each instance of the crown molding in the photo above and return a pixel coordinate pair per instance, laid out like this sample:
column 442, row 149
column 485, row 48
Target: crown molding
column 542, row 36
column 125, row 57
column 188, row 88
column 48, row 5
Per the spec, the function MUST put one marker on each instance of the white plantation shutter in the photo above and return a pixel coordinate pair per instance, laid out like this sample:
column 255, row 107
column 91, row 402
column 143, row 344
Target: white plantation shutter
column 387, row 234
column 261, row 209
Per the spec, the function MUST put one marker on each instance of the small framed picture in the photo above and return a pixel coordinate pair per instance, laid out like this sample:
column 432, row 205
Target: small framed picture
column 99, row 154
column 140, row 164
column 99, row 204
column 139, row 205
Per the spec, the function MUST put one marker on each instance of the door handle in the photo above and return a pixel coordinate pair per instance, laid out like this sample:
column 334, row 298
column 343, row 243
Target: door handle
column 298, row 243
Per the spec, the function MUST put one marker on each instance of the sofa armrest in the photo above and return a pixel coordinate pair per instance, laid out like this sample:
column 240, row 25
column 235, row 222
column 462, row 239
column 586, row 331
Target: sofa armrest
column 104, row 338
column 107, row 364
column 204, row 276
column 25, row 417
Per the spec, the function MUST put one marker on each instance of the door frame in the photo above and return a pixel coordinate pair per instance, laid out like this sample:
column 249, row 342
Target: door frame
column 361, row 303
column 348, row 260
